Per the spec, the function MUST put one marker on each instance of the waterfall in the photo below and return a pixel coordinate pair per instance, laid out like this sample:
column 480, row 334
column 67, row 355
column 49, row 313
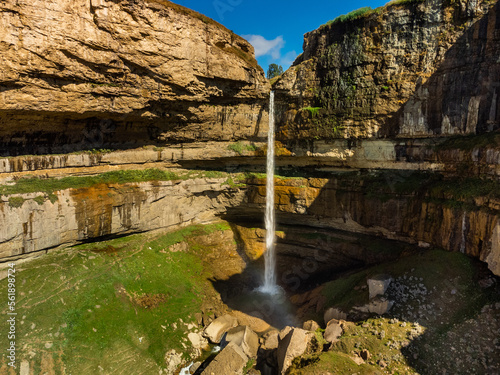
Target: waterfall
column 270, row 256
column 464, row 228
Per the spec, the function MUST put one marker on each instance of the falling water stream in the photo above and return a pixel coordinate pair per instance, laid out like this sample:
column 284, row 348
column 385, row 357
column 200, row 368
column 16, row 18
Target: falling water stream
column 270, row 256
column 464, row 229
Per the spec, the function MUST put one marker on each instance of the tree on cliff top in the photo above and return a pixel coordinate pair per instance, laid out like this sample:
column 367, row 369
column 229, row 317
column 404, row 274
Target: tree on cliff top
column 274, row 71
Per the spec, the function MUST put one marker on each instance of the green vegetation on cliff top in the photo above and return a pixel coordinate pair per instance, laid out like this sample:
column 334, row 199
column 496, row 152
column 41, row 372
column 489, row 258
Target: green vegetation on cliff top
column 51, row 185
column 366, row 11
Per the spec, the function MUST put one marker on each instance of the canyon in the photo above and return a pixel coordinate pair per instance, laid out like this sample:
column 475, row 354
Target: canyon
column 145, row 117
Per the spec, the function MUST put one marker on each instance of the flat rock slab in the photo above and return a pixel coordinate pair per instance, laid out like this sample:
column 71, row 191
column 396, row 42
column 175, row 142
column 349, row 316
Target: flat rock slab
column 219, row 326
column 271, row 340
column 293, row 342
column 377, row 285
column 245, row 338
column 230, row 361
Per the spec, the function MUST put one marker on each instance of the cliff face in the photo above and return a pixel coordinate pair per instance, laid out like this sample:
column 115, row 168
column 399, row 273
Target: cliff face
column 418, row 69
column 122, row 73
column 76, row 215
column 402, row 206
column 129, row 73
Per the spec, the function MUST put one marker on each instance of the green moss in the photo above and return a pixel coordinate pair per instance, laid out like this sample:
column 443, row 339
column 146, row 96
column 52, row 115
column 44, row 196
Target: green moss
column 39, row 199
column 16, row 202
column 312, row 110
column 50, row 185
column 240, row 147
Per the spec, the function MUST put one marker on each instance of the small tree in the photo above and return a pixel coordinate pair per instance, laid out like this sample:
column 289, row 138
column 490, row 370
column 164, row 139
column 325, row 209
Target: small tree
column 274, row 71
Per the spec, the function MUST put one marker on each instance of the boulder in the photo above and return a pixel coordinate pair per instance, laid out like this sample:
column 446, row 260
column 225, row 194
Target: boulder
column 215, row 330
column 230, row 361
column 270, row 340
column 25, row 368
column 256, row 324
column 310, row 325
column 333, row 331
column 198, row 342
column 334, row 313
column 377, row 285
column 245, row 338
column 172, row 360
column 293, row 342
column 379, row 306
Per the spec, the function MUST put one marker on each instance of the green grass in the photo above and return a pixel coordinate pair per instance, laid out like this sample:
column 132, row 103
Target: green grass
column 465, row 189
column 431, row 267
column 240, row 147
column 326, row 362
column 273, row 80
column 39, row 199
column 16, row 201
column 440, row 271
column 355, row 14
column 250, row 363
column 50, row 185
column 103, row 304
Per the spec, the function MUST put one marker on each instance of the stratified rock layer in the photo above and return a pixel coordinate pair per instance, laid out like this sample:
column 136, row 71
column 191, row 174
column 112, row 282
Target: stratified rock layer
column 409, row 208
column 109, row 209
column 407, row 70
column 122, row 73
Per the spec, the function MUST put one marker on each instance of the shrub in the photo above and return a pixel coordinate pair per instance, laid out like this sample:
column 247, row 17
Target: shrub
column 313, row 110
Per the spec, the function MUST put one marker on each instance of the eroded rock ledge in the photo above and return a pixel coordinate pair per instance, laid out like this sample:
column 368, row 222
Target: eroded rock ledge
column 118, row 74
column 412, row 69
column 75, row 215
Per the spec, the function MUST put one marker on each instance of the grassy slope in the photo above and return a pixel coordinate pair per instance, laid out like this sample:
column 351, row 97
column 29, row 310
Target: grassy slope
column 450, row 278
column 113, row 304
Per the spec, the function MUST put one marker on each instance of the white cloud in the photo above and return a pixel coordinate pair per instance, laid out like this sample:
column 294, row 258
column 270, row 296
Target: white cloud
column 288, row 59
column 266, row 47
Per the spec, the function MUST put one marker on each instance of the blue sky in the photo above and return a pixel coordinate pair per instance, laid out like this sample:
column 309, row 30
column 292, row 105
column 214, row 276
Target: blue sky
column 275, row 28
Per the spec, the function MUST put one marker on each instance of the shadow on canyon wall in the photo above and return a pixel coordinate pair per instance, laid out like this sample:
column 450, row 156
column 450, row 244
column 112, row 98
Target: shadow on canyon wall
column 461, row 96
column 60, row 133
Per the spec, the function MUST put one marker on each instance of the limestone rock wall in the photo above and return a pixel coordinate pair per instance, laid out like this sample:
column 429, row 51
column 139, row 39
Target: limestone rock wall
column 376, row 206
column 89, row 213
column 122, row 73
column 421, row 69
